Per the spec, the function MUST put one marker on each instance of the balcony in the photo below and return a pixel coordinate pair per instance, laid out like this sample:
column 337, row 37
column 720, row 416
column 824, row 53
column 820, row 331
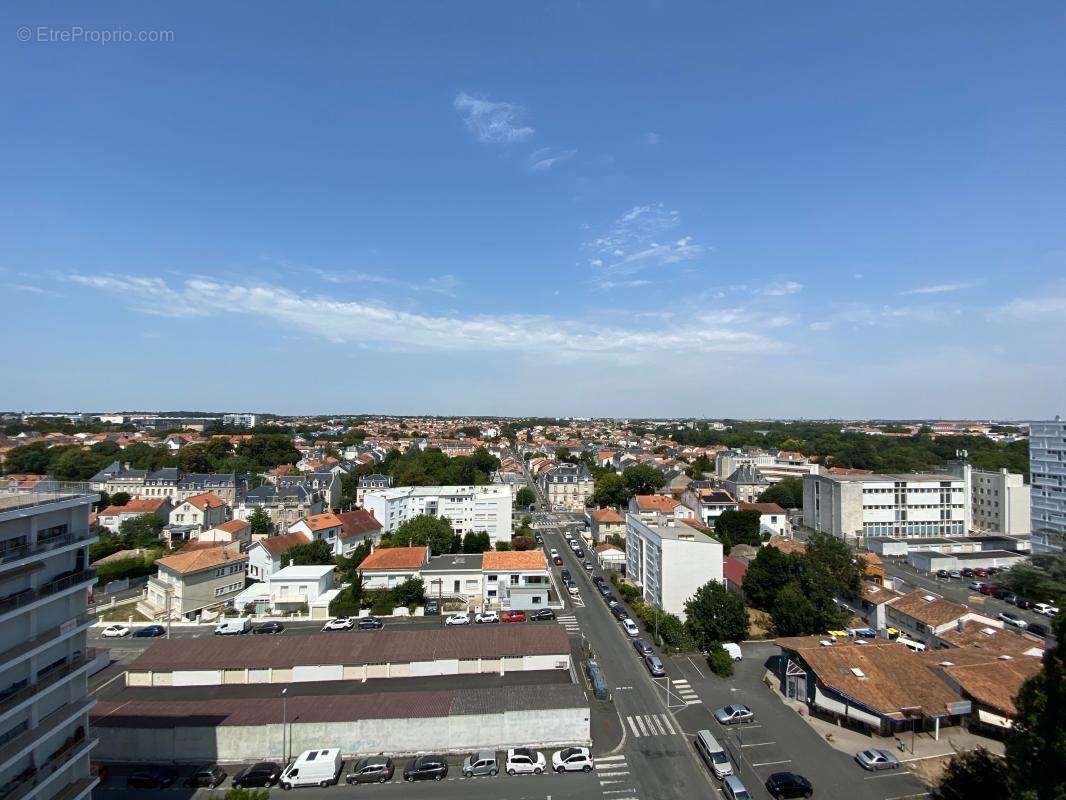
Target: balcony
column 23, row 742
column 24, row 785
column 9, row 556
column 44, row 639
column 43, row 493
column 44, row 681
column 28, row 597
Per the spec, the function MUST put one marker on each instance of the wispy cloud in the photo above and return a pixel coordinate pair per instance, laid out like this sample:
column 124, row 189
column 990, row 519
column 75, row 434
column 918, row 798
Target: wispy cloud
column 441, row 284
column 782, row 289
column 546, row 157
column 492, row 122
column 633, row 284
column 652, row 138
column 940, row 288
column 642, row 237
column 869, row 315
column 1030, row 309
column 373, row 324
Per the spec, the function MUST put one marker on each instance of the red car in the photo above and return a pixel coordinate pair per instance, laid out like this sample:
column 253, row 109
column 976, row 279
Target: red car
column 558, row 561
column 514, row 616
column 981, row 572
column 988, row 588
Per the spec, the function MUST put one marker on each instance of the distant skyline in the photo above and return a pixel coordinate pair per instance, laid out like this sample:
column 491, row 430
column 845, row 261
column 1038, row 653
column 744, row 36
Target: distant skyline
column 649, row 210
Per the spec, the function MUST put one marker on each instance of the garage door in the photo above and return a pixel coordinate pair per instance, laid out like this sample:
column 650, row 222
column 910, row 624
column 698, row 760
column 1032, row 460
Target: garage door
column 327, row 672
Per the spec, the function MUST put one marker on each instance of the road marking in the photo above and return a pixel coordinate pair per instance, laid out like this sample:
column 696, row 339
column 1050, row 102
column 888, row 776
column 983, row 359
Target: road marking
column 614, row 773
column 654, row 725
column 693, row 663
column 771, row 763
column 610, row 783
column 640, row 726
column 610, row 758
column 908, row 796
column 666, row 722
column 633, row 726
column 758, row 744
column 618, row 791
column 892, row 773
column 648, row 725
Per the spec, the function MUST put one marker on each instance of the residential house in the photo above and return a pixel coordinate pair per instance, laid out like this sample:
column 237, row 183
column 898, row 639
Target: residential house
column 372, row 482
column 567, row 487
column 358, row 526
column 604, row 522
column 922, row 616
column 611, row 557
column 734, row 570
column 265, row 556
column 283, row 504
column 516, row 579
column 388, row 567
column 112, row 517
column 325, row 527
column 746, row 483
column 650, row 507
column 455, row 576
column 205, row 510
column 294, row 587
column 232, row 530
column 191, row 582
column 773, row 520
column 708, row 503
column 325, row 484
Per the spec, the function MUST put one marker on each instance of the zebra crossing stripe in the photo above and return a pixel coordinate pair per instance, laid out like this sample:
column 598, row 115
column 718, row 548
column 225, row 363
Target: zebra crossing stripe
column 666, row 722
column 633, row 725
column 601, row 759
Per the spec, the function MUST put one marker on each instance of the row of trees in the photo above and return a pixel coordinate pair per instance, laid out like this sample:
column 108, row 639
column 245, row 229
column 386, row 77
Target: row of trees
column 430, row 467
column 1041, row 578
column 613, row 489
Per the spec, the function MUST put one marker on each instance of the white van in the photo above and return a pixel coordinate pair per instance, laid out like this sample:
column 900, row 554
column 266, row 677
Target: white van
column 232, row 627
column 713, row 754
column 733, row 649
column 313, row 768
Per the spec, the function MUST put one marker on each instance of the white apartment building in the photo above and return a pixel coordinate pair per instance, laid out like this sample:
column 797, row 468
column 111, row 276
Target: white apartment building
column 669, row 561
column 999, row 500
column 855, row 505
column 1047, row 465
column 481, row 509
column 45, row 739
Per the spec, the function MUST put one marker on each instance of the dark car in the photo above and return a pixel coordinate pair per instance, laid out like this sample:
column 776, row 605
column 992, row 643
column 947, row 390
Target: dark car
column 150, row 631
column 619, row 613
column 787, row 785
column 1038, row 628
column 558, row 561
column 208, row 776
column 541, row 616
column 1023, row 603
column 565, row 575
column 967, row 572
column 642, row 647
column 432, row 606
column 597, row 579
column 587, row 565
column 1002, row 593
column 371, row 769
column 269, row 627
column 609, row 598
column 371, row 624
column 579, row 552
column 426, row 768
column 263, row 773
column 152, row 778
column 1009, row 597
column 942, row 573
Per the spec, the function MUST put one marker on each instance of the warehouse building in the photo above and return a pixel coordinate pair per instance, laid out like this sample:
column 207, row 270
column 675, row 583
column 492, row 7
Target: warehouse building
column 351, row 656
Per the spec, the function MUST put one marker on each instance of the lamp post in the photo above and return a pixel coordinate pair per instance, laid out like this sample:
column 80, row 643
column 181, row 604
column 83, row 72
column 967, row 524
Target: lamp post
column 284, row 726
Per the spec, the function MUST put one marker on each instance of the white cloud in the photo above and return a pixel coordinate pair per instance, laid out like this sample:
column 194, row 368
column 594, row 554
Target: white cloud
column 641, row 238
column 620, row 284
column 940, row 288
column 545, row 158
column 652, row 138
column 782, row 289
column 376, row 324
column 822, row 325
column 492, row 122
column 441, row 284
column 1050, row 307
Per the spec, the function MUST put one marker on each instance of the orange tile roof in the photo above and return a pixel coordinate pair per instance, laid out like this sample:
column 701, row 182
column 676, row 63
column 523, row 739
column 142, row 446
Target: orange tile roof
column 934, row 612
column 396, row 558
column 196, row 560
column 233, row 525
column 276, row 545
column 656, row 502
column 513, row 559
column 786, row 545
column 205, row 500
column 604, row 548
column 319, row 522
column 762, row 508
column 135, row 506
column 606, row 515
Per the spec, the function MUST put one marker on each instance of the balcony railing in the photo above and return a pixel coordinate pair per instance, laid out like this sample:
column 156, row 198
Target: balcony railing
column 46, row 491
column 54, row 586
column 49, row 678
column 9, row 554
column 47, row 726
column 44, row 637
column 21, row 786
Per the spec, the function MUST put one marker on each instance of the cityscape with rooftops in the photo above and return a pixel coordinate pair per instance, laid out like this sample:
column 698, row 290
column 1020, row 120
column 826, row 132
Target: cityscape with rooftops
column 658, row 400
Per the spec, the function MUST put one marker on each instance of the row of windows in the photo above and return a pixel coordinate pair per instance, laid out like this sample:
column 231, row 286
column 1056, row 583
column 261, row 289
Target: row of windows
column 233, row 587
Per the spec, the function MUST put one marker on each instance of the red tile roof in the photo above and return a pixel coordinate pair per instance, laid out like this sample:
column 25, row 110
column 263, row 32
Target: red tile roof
column 396, row 558
column 734, row 570
column 320, row 522
column 135, row 506
column 656, row 502
column 514, row 559
column 606, row 515
column 196, row 560
column 277, row 545
column 358, row 523
column 762, row 508
column 205, row 500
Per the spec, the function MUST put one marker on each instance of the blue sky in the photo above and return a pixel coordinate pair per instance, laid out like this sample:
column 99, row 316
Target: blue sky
column 839, row 209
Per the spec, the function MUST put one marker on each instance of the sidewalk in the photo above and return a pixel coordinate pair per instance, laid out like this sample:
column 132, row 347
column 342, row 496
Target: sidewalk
column 952, row 739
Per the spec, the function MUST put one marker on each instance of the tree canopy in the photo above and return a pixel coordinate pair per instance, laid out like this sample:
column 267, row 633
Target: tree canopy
column 318, row 552
column 715, row 614
column 424, row 530
column 738, row 527
column 610, row 490
column 787, row 493
column 525, row 497
column 643, row 479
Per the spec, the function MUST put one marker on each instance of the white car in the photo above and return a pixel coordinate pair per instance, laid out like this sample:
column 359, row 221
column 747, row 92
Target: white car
column 572, row 588
column 487, row 616
column 1046, row 609
column 554, row 552
column 339, row 624
column 525, row 761
column 630, row 627
column 115, row 631
column 573, row 759
column 457, row 619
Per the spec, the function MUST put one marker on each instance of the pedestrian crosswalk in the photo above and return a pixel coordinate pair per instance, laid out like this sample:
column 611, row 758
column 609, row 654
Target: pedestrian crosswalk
column 569, row 621
column 613, row 773
column 641, row 725
column 685, row 692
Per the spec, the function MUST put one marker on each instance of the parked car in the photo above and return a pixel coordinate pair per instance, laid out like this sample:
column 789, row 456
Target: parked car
column 981, row 572
column 967, row 572
column 524, row 760
column 208, row 776
column 1023, row 603
column 713, row 754
column 597, row 579
column 642, row 647
column 630, row 627
column 655, row 666
column 152, row 778
column 734, row 650
column 482, row 762
column 514, row 616
column 782, row 785
column 1001, row 593
column 459, row 618
column 426, row 768
column 233, row 627
column 432, row 607
column 976, row 585
column 955, row 574
column 554, row 552
column 587, row 565
column 1012, row 619
column 619, row 612
column 942, row 573
column 573, row 759
column 486, row 617
column 371, row 769
column 733, row 789
column 988, row 589
column 115, row 631
column 572, row 588
column 541, row 616
column 262, row 773
column 564, row 575
column 1046, row 609
column 557, row 560
column 150, row 631
column 734, row 713
column 579, row 552
column 875, row 760
column 370, row 624
column 1038, row 628
column 339, row 624
column 312, row 768
column 268, row 627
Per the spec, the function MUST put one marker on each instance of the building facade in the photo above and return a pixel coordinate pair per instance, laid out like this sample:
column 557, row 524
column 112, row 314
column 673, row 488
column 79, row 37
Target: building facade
column 187, row 583
column 854, row 506
column 1047, row 465
column 999, row 500
column 567, row 487
column 45, row 739
column 478, row 509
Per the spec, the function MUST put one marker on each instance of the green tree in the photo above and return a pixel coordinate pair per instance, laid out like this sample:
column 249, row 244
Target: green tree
column 720, row 662
column 318, row 552
column 194, row 458
column 27, row 459
column 119, row 498
column 700, row 467
column 411, row 592
column 75, row 464
column 1042, row 577
column 348, row 566
column 140, row 531
column 768, row 573
column 738, row 527
column 794, row 614
column 522, row 542
column 977, row 773
column 833, row 568
column 476, row 542
column 715, row 614
column 1037, row 740
column 269, row 450
column 610, row 490
column 260, row 522
column 643, row 479
column 502, row 545
column 105, row 448
column 525, row 497
column 433, row 532
column 787, row 493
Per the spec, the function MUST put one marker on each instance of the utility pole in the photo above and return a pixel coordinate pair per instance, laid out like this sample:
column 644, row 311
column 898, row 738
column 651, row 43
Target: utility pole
column 170, row 600
column 440, row 600
column 284, row 726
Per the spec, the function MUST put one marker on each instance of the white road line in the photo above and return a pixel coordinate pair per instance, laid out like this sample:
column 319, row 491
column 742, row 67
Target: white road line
column 893, row 773
column 614, row 774
column 610, row 783
column 633, row 725
column 654, row 725
column 666, row 722
column 771, row 763
column 908, row 796
column 681, row 682
column 693, row 663
column 610, row 758
column 758, row 744
column 618, row 791
column 640, row 725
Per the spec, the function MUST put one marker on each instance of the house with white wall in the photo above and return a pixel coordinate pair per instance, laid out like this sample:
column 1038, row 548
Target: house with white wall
column 516, row 579
column 387, row 567
column 205, row 510
column 265, row 556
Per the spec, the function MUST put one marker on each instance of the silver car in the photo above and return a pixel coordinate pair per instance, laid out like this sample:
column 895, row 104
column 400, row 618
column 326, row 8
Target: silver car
column 655, row 666
column 874, row 760
column 482, row 762
column 733, row 789
column 734, row 713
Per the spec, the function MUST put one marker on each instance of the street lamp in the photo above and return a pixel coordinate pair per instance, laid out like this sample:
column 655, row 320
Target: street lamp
column 284, row 726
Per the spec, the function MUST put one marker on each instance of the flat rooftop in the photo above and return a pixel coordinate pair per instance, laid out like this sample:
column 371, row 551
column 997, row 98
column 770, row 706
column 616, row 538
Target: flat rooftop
column 884, row 477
